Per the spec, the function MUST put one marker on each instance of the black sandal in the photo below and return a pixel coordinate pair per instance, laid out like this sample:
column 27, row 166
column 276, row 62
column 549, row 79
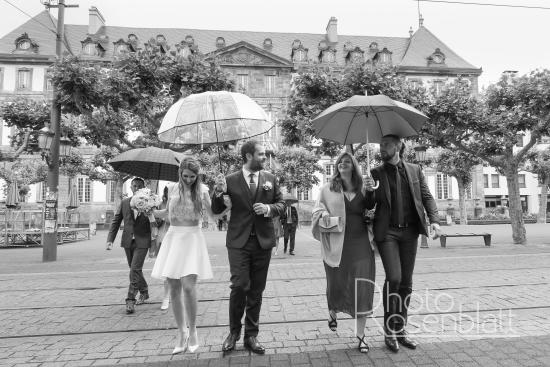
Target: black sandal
column 363, row 346
column 332, row 323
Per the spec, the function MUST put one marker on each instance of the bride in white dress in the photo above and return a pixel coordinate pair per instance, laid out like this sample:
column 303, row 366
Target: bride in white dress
column 183, row 256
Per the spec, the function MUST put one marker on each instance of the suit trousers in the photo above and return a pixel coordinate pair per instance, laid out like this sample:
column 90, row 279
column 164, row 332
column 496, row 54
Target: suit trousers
column 398, row 254
column 290, row 234
column 136, row 258
column 248, row 266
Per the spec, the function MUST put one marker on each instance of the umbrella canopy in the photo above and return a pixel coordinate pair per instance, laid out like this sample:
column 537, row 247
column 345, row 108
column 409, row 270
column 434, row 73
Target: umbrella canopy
column 289, row 198
column 364, row 119
column 13, row 195
column 148, row 163
column 213, row 117
column 73, row 197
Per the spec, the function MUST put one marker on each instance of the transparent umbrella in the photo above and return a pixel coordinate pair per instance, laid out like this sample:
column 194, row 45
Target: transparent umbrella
column 213, row 118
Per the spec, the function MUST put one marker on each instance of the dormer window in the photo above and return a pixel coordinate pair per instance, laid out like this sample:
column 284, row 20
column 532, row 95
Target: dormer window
column 268, row 44
column 161, row 43
column 299, row 53
column 328, row 56
column 437, row 58
column 373, row 47
column 190, row 40
column 120, row 47
column 220, row 42
column 384, row 56
column 348, row 46
column 24, row 44
column 132, row 42
column 355, row 56
column 90, row 49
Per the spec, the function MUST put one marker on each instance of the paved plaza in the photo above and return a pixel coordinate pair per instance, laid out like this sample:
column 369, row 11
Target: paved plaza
column 473, row 306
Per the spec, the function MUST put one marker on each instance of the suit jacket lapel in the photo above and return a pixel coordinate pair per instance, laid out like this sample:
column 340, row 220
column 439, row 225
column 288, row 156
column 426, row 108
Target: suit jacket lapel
column 412, row 178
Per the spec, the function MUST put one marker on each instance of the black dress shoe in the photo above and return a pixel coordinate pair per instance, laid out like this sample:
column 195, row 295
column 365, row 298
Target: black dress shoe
column 391, row 341
column 230, row 342
column 252, row 344
column 404, row 340
column 130, row 305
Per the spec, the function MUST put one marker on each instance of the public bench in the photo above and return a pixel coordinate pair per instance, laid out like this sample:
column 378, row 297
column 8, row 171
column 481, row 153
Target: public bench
column 486, row 237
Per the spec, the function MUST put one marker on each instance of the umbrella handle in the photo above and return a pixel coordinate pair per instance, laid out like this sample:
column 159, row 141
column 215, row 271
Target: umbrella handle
column 376, row 185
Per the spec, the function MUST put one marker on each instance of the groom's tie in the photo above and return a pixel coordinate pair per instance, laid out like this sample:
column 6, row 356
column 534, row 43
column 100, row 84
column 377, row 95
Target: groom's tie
column 252, row 185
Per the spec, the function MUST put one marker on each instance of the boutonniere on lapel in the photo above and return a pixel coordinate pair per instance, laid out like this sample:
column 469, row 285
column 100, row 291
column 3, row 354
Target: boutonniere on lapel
column 267, row 186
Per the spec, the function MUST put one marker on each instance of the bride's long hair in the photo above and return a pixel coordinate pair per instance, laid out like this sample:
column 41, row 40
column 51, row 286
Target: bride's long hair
column 192, row 164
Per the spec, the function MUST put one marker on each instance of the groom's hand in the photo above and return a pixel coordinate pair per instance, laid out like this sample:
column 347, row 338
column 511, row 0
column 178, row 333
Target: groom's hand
column 260, row 209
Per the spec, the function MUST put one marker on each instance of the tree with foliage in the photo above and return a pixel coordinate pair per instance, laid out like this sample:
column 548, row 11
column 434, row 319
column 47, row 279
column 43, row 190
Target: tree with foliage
column 296, row 168
column 458, row 164
column 316, row 89
column 488, row 128
column 120, row 105
column 540, row 165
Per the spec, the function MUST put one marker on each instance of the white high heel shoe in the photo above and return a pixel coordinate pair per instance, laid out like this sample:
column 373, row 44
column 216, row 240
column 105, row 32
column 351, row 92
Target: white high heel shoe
column 165, row 304
column 193, row 348
column 183, row 348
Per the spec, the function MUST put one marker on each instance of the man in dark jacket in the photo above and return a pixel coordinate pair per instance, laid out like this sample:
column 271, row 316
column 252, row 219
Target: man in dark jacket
column 136, row 241
column 255, row 198
column 401, row 199
column 290, row 223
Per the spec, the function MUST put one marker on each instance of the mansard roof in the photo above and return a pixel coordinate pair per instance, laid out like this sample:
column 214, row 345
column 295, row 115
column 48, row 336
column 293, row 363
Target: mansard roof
column 423, row 44
column 406, row 52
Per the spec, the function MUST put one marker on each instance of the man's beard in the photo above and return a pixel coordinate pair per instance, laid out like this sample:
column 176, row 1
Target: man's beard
column 256, row 165
column 386, row 157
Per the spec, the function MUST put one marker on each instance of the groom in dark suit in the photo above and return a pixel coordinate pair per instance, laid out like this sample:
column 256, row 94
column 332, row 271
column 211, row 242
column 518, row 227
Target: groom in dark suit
column 136, row 241
column 255, row 198
column 401, row 200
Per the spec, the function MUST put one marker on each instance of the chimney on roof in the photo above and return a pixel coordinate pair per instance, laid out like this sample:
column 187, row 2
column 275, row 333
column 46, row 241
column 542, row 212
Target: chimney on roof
column 96, row 20
column 332, row 33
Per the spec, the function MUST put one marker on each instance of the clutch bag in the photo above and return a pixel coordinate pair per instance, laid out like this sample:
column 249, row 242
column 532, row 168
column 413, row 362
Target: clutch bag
column 334, row 225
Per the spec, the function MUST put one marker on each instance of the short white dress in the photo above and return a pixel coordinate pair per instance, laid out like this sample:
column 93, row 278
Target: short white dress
column 183, row 251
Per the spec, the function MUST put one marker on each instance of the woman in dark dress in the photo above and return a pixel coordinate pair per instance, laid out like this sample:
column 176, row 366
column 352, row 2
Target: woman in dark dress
column 348, row 255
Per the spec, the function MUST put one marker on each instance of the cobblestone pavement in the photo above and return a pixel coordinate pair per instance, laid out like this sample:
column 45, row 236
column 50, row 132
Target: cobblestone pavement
column 472, row 306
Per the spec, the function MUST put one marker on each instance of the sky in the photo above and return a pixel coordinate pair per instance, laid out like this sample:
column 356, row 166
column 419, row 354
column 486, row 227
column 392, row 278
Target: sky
column 493, row 38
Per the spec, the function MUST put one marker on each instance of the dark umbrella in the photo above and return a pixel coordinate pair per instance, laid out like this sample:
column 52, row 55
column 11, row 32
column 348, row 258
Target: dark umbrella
column 13, row 195
column 148, row 163
column 362, row 119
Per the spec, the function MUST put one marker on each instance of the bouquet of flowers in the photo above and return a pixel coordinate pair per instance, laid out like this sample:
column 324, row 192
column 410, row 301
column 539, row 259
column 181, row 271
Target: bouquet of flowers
column 144, row 201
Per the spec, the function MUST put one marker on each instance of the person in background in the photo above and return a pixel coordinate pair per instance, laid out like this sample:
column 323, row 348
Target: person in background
column 279, row 232
column 136, row 241
column 290, row 223
column 348, row 255
column 400, row 201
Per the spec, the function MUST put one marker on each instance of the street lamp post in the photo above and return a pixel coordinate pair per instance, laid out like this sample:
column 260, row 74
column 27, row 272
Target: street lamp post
column 49, row 233
column 53, row 147
column 420, row 152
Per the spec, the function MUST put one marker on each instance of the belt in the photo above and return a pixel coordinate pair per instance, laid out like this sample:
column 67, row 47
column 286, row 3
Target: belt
column 404, row 225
